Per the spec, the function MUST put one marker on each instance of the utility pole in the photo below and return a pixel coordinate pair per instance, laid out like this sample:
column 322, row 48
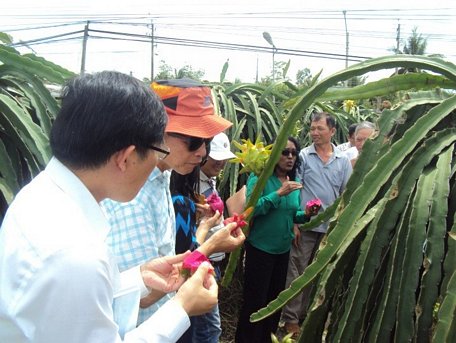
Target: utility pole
column 84, row 47
column 268, row 39
column 346, row 39
column 256, row 77
column 398, row 40
column 152, row 52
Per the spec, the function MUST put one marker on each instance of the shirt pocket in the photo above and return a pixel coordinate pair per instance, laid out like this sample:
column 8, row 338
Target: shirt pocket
column 336, row 177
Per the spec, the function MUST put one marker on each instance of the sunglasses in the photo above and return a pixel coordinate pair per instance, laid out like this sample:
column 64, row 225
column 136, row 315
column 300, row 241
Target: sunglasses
column 193, row 143
column 287, row 152
column 161, row 153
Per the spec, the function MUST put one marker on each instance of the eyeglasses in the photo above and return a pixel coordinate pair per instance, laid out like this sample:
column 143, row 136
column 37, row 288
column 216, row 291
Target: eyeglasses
column 287, row 152
column 193, row 143
column 161, row 153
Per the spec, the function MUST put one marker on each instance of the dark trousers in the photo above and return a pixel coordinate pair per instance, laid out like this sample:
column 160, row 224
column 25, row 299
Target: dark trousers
column 264, row 279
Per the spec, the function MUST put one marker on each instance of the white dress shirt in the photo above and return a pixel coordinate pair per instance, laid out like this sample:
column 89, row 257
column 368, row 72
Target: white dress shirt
column 58, row 280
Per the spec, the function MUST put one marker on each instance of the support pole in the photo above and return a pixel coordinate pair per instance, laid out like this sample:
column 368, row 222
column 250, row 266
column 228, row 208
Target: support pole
column 84, row 47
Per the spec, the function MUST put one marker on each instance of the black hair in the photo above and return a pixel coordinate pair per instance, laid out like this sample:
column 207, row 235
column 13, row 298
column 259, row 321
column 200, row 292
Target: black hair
column 186, row 185
column 330, row 121
column 351, row 129
column 292, row 173
column 103, row 113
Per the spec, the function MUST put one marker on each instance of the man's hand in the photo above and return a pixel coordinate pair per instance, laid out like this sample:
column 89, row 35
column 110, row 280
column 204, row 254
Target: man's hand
column 224, row 240
column 162, row 274
column 199, row 293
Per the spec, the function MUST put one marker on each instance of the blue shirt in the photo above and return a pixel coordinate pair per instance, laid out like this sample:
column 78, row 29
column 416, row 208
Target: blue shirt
column 143, row 228
column 325, row 181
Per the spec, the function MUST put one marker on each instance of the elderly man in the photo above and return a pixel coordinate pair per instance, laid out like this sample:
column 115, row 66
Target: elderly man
column 364, row 130
column 58, row 279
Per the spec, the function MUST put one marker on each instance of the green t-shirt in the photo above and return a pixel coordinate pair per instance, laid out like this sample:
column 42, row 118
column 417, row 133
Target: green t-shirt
column 271, row 227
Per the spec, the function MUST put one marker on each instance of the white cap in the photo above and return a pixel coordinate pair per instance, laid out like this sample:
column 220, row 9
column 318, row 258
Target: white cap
column 220, row 148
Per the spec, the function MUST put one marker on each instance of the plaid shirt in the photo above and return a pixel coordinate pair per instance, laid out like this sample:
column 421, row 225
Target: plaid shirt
column 143, row 228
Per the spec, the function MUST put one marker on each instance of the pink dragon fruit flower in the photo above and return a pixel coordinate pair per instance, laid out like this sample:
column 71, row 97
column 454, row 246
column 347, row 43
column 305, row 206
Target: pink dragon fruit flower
column 239, row 219
column 313, row 206
column 215, row 202
column 192, row 262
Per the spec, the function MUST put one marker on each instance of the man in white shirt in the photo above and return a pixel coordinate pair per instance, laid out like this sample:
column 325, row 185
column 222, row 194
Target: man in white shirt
column 350, row 139
column 58, row 279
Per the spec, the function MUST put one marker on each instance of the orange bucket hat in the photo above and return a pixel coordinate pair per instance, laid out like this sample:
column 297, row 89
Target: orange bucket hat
column 189, row 107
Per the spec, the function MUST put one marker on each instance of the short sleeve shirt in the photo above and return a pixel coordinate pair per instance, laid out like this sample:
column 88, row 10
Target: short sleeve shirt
column 325, row 181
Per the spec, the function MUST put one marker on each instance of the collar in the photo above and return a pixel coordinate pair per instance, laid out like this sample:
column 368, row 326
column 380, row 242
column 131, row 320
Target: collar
column 204, row 177
column 159, row 175
column 336, row 152
column 77, row 191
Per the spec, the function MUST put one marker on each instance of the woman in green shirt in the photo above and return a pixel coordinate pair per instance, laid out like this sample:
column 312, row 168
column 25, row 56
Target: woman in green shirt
column 268, row 245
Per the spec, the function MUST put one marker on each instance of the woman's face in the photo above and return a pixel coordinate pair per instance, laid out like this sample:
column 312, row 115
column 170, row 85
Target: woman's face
column 288, row 157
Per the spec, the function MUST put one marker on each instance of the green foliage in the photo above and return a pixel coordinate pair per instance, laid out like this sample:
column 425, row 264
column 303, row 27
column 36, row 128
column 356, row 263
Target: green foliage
column 379, row 269
column 279, row 72
column 167, row 72
column 255, row 112
column 304, row 77
column 415, row 44
column 27, row 109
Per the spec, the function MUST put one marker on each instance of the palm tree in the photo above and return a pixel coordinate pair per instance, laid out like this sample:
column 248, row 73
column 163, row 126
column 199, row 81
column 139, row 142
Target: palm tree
column 415, row 44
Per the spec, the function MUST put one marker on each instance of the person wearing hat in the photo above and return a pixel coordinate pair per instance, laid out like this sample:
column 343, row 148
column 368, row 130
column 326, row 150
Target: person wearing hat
column 144, row 228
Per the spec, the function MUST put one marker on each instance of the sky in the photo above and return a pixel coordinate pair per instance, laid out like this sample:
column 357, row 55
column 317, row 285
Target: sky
column 316, row 32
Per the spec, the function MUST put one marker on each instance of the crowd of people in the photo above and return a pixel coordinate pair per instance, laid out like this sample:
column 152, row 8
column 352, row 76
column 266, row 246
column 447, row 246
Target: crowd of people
column 92, row 249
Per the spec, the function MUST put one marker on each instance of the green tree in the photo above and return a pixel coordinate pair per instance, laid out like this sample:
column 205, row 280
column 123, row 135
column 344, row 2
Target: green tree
column 304, row 77
column 279, row 72
column 168, row 72
column 416, row 44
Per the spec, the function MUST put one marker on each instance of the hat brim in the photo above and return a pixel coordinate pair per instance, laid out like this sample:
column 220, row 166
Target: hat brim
column 204, row 127
column 221, row 155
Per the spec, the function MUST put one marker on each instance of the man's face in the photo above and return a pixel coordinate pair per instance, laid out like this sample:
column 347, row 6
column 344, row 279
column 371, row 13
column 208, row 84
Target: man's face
column 138, row 170
column 361, row 136
column 213, row 167
column 180, row 158
column 320, row 132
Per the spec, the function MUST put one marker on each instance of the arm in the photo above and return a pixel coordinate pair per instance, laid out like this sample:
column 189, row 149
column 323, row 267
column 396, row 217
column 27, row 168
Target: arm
column 196, row 296
column 224, row 240
column 205, row 225
column 265, row 202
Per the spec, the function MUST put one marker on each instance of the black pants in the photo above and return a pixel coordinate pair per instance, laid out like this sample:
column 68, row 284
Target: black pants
column 264, row 279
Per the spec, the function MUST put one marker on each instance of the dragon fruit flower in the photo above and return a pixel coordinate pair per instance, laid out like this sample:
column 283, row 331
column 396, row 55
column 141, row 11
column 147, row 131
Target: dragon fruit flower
column 313, row 206
column 252, row 157
column 215, row 202
column 192, row 262
column 239, row 219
